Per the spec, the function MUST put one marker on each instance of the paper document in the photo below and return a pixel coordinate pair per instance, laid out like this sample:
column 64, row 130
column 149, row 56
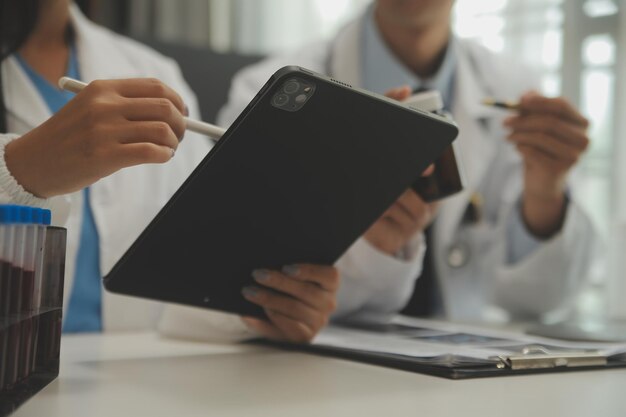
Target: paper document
column 429, row 339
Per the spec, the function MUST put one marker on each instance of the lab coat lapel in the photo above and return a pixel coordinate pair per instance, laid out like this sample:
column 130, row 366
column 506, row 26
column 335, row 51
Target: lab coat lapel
column 96, row 59
column 24, row 103
column 474, row 144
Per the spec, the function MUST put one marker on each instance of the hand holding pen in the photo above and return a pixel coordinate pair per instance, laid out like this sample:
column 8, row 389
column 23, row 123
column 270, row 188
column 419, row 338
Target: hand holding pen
column 207, row 129
column 109, row 125
column 551, row 136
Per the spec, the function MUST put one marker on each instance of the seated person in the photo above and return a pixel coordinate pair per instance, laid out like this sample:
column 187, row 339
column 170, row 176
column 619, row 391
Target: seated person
column 108, row 160
column 515, row 244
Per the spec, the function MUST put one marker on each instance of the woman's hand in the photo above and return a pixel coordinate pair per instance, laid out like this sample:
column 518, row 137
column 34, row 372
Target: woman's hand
column 408, row 216
column 108, row 126
column 298, row 301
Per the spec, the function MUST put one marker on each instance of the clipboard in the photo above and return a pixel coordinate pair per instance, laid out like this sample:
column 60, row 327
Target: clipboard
column 458, row 367
column 534, row 359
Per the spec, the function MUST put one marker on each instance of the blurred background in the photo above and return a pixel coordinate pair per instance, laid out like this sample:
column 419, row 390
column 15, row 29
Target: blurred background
column 579, row 46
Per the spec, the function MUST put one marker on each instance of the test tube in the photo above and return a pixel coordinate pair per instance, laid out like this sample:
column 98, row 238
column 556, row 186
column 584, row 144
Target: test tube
column 28, row 292
column 6, row 244
column 14, row 296
column 50, row 320
column 42, row 219
column 32, row 264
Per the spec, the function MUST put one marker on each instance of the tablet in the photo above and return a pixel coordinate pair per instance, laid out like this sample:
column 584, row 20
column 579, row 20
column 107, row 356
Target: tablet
column 304, row 171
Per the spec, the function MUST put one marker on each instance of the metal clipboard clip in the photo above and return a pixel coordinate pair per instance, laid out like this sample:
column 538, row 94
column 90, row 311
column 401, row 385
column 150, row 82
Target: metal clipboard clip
column 538, row 357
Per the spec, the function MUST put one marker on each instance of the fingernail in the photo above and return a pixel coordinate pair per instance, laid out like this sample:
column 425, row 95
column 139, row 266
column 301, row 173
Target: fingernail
column 261, row 275
column 186, row 110
column 173, row 152
column 250, row 292
column 291, row 270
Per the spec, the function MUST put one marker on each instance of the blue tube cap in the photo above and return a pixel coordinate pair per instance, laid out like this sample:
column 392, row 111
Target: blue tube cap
column 37, row 215
column 26, row 214
column 47, row 217
column 6, row 214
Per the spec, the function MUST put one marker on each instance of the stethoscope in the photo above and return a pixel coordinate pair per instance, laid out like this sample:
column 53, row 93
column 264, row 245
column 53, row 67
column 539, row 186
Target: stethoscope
column 458, row 254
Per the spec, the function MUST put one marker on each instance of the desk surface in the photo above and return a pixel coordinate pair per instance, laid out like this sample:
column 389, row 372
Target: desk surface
column 144, row 375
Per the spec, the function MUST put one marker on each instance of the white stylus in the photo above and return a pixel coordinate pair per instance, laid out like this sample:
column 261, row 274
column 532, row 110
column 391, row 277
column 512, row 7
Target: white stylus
column 215, row 132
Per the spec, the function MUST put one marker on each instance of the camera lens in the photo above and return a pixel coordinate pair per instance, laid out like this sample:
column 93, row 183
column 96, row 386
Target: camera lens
column 291, row 86
column 280, row 100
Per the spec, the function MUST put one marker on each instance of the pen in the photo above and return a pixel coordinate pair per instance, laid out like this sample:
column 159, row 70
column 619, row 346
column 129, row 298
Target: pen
column 215, row 132
column 508, row 105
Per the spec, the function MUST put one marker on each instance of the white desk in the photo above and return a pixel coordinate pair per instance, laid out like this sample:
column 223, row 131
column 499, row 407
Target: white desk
column 143, row 375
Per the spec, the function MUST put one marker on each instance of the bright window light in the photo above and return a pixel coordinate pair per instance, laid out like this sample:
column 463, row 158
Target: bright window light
column 599, row 8
column 551, row 85
column 599, row 50
column 552, row 47
column 597, row 95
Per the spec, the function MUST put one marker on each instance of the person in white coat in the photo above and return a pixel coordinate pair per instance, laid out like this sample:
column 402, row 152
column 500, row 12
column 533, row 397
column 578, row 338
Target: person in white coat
column 108, row 159
column 515, row 243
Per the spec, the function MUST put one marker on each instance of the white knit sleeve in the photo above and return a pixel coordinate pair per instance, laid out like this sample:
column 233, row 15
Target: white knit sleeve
column 10, row 190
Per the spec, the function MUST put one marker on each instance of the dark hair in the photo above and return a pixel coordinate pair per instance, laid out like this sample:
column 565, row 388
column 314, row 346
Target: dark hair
column 17, row 21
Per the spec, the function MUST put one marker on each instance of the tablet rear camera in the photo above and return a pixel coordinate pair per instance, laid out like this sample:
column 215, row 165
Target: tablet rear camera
column 291, row 87
column 293, row 94
column 280, row 100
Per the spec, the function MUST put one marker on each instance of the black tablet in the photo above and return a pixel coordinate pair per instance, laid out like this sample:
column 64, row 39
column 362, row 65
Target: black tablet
column 304, row 171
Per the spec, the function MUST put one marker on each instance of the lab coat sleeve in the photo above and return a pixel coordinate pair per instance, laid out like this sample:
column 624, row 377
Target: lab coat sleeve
column 540, row 282
column 548, row 279
column 11, row 192
column 374, row 284
column 204, row 325
column 545, row 280
column 520, row 242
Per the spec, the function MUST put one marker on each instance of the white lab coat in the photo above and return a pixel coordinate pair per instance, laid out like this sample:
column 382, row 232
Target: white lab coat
column 125, row 202
column 487, row 287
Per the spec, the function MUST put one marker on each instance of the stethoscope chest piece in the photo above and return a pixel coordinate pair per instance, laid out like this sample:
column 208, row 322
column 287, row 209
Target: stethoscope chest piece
column 458, row 255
